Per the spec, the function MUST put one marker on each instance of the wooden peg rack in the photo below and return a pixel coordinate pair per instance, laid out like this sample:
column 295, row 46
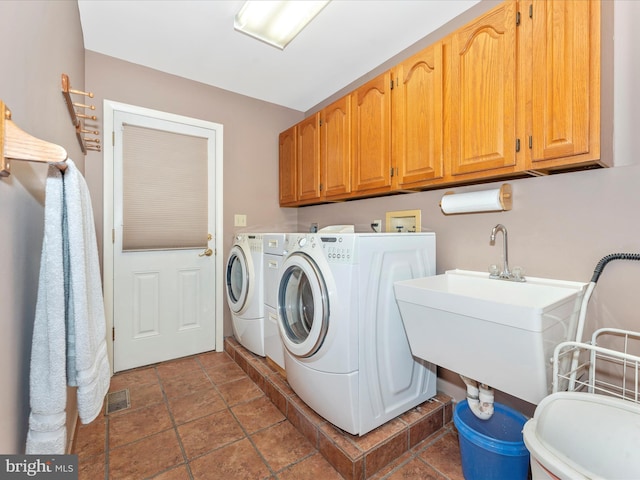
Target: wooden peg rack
column 86, row 143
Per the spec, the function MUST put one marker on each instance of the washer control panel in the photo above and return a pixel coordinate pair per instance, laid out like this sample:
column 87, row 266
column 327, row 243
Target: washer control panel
column 255, row 242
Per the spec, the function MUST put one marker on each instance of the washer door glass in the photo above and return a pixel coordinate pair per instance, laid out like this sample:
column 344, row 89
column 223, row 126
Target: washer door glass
column 237, row 280
column 303, row 304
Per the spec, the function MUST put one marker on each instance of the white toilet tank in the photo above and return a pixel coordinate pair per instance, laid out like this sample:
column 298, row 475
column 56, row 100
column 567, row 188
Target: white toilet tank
column 576, row 435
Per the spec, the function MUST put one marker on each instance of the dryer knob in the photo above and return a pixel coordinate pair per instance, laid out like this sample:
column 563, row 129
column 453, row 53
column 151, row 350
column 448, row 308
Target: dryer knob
column 302, row 241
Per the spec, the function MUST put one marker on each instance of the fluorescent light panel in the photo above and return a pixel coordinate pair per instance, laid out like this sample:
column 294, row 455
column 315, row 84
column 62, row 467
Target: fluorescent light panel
column 276, row 22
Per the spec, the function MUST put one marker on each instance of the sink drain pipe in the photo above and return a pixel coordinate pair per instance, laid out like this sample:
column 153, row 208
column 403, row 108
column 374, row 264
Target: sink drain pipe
column 479, row 398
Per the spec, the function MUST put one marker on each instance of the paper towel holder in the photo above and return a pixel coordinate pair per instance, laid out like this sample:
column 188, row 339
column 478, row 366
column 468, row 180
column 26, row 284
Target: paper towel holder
column 502, row 200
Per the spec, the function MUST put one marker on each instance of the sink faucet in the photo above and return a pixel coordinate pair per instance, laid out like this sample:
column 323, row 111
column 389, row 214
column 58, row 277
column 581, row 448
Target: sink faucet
column 505, row 274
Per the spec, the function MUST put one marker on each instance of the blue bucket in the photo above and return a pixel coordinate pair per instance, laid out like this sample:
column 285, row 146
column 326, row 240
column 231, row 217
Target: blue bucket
column 492, row 449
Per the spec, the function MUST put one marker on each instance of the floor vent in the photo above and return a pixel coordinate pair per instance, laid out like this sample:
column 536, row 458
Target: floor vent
column 117, row 401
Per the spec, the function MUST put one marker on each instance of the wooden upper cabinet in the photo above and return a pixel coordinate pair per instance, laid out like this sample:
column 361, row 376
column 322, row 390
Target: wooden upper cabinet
column 371, row 135
column 565, row 82
column 308, row 165
column 417, row 118
column 481, row 95
column 335, row 148
column 288, row 154
column 514, row 92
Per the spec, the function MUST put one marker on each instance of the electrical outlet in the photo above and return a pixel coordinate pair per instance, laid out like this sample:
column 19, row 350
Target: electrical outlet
column 376, row 226
column 240, row 220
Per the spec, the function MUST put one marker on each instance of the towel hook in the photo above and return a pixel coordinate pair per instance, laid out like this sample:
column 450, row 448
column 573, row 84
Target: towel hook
column 16, row 144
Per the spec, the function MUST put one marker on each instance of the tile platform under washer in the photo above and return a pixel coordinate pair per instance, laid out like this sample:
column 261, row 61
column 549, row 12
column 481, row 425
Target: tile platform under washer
column 371, row 456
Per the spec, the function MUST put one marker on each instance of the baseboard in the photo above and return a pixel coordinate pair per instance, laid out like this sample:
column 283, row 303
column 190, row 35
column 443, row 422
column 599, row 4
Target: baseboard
column 71, row 443
column 277, row 367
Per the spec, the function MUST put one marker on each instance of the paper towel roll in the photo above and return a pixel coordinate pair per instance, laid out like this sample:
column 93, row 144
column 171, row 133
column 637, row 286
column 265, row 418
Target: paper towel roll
column 483, row 201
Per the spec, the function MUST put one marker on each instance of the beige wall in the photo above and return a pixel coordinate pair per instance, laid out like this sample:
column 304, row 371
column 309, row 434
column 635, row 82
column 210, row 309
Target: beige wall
column 47, row 41
column 251, row 129
column 561, row 225
column 41, row 40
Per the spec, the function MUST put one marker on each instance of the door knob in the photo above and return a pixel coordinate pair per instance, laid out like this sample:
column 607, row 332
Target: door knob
column 208, row 252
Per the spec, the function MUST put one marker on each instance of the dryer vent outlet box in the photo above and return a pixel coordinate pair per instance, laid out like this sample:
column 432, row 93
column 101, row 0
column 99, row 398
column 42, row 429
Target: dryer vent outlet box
column 404, row 221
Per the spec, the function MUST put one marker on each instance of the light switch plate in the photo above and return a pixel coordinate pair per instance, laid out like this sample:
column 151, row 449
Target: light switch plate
column 240, row 220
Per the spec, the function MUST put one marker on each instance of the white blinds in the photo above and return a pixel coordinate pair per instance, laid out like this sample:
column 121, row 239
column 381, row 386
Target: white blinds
column 164, row 190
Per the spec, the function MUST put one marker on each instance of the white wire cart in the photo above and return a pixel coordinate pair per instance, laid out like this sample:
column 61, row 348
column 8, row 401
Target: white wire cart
column 574, row 435
column 607, row 365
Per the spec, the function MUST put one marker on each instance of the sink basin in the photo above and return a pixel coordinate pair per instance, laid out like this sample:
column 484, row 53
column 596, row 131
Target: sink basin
column 497, row 332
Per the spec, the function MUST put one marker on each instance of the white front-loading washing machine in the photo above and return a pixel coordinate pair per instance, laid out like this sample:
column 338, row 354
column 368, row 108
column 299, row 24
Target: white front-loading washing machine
column 346, row 352
column 245, row 297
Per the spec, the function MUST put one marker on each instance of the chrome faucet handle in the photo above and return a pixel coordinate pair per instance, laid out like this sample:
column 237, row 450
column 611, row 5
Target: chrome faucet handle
column 494, row 271
column 518, row 274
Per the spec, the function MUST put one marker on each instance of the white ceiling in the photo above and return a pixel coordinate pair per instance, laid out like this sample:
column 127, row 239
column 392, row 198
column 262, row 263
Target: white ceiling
column 196, row 40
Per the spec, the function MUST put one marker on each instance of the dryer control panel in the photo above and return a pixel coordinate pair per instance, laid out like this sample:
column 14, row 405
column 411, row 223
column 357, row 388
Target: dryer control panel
column 338, row 248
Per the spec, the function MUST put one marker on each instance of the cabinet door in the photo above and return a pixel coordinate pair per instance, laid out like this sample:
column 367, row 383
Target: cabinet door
column 482, row 93
column 417, row 118
column 288, row 182
column 565, row 80
column 309, row 159
column 335, row 148
column 371, row 135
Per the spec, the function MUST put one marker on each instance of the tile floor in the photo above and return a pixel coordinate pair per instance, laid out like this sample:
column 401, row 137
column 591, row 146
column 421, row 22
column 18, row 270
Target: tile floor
column 229, row 415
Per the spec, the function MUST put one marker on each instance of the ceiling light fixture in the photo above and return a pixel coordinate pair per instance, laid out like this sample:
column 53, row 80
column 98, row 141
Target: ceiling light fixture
column 276, row 22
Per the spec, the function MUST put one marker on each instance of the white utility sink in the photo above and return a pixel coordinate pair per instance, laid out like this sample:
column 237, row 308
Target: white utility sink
column 497, row 332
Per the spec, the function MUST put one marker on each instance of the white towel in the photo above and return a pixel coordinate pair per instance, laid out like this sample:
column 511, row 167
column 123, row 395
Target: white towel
column 86, row 339
column 48, row 391
column 69, row 343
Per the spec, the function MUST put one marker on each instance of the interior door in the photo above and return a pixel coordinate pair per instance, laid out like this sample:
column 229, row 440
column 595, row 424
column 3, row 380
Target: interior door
column 164, row 226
